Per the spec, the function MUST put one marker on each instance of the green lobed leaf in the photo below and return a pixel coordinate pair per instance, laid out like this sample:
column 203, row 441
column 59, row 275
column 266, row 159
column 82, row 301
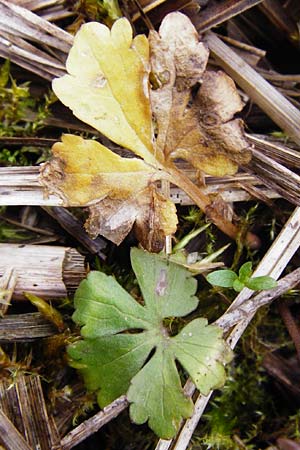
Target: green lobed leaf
column 199, row 347
column 223, row 278
column 156, row 394
column 261, row 283
column 113, row 363
column 245, row 272
column 104, row 307
column 167, row 288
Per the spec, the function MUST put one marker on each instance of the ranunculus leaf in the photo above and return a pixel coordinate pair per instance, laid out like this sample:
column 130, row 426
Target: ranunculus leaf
column 120, row 334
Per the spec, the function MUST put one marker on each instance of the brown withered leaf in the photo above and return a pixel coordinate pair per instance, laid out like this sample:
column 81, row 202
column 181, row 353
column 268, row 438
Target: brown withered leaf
column 153, row 216
column 120, row 191
column 214, row 143
column 196, row 128
column 107, row 86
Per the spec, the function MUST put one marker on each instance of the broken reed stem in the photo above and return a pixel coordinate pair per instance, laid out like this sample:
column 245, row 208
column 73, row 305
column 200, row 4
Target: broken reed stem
column 275, row 175
column 216, row 13
column 45, row 271
column 20, row 186
column 24, row 404
column 25, row 328
column 10, row 436
column 7, row 286
column 203, row 201
column 249, row 307
column 90, row 426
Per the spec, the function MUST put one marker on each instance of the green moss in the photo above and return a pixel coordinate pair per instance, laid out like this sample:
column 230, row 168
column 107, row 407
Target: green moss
column 15, row 102
column 106, row 11
column 21, row 115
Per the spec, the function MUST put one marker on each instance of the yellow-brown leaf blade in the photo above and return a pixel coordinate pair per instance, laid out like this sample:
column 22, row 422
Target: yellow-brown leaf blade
column 120, row 191
column 213, row 142
column 107, row 85
column 178, row 61
column 152, row 215
column 84, row 171
column 198, row 128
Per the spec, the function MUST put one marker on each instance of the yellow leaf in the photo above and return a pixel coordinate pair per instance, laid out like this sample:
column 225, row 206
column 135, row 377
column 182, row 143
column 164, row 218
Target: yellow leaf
column 121, row 191
column 84, row 171
column 107, row 85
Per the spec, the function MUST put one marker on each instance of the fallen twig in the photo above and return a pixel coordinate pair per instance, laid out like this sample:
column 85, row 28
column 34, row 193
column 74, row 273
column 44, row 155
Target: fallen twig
column 249, row 307
column 93, row 424
column 7, row 286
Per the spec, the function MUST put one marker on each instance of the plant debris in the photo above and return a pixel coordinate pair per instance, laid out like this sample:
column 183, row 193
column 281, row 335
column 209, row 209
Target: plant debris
column 118, row 103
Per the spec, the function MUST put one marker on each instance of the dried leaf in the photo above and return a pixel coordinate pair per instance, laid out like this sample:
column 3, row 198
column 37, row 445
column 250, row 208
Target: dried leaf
column 107, row 86
column 199, row 130
column 154, row 217
column 178, row 61
column 105, row 181
column 84, row 171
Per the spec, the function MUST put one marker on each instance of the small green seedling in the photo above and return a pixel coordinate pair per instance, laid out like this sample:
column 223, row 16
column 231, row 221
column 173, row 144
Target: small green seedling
column 229, row 279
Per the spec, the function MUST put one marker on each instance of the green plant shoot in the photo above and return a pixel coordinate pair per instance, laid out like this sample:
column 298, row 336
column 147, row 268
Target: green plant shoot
column 229, row 279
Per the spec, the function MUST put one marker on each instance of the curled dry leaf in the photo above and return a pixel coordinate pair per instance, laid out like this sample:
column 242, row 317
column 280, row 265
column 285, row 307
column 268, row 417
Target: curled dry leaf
column 107, row 86
column 199, row 129
column 152, row 215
